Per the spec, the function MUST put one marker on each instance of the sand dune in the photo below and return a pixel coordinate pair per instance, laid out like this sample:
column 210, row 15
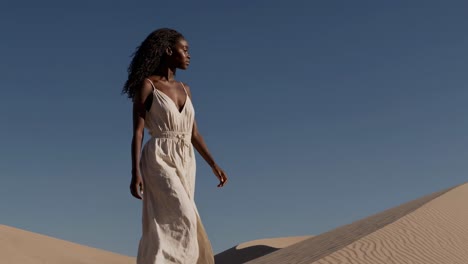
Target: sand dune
column 255, row 249
column 22, row 247
column 429, row 230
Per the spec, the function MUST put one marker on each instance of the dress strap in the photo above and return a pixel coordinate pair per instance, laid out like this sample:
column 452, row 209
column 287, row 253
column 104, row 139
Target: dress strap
column 154, row 88
column 152, row 84
column 184, row 88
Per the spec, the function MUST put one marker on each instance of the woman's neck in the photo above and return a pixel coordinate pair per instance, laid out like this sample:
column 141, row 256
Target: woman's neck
column 166, row 73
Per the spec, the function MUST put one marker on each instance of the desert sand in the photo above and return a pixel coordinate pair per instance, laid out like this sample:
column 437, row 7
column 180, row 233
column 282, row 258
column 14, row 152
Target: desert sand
column 23, row 247
column 429, row 230
column 254, row 249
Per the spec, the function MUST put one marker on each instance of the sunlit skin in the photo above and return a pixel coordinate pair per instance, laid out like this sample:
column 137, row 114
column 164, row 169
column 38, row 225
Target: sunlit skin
column 177, row 57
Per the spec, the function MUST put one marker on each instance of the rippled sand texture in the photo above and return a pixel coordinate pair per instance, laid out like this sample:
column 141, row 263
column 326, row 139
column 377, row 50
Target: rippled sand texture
column 22, row 247
column 429, row 230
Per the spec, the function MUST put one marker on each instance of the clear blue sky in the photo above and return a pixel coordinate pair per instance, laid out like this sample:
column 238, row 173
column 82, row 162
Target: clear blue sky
column 321, row 112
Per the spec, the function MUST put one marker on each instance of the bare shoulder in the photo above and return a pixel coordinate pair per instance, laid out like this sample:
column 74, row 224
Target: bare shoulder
column 187, row 87
column 145, row 90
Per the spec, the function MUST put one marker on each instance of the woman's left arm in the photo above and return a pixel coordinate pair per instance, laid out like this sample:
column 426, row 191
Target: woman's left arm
column 200, row 145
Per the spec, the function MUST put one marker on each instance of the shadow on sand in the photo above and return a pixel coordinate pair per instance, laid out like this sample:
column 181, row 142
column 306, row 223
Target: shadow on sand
column 238, row 256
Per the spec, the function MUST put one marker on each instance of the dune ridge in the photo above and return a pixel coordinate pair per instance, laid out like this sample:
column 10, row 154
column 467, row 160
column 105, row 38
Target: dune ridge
column 429, row 230
column 435, row 233
column 23, row 247
column 256, row 248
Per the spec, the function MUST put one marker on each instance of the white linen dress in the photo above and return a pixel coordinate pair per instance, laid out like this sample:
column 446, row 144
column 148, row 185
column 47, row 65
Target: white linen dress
column 172, row 231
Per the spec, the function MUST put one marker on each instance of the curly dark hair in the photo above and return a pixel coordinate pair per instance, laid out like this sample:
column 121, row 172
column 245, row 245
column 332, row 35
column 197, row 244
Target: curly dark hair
column 148, row 57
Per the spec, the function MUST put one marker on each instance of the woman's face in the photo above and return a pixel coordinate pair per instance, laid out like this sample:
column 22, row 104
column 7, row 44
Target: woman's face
column 180, row 55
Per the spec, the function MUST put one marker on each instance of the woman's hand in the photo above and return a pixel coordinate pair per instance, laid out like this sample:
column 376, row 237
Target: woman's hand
column 220, row 174
column 136, row 187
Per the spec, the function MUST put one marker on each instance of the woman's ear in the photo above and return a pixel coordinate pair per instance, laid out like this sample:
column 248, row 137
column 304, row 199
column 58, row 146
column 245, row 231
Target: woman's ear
column 169, row 51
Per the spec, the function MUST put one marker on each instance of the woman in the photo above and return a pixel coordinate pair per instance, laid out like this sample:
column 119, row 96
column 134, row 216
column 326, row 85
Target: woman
column 172, row 230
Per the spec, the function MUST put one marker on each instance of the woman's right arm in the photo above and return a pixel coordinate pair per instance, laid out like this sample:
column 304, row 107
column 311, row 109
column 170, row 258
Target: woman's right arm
column 139, row 114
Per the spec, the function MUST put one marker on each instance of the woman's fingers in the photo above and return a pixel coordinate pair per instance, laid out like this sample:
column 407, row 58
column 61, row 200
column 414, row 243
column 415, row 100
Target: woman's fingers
column 140, row 190
column 222, row 178
column 135, row 193
column 136, row 189
column 219, row 173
